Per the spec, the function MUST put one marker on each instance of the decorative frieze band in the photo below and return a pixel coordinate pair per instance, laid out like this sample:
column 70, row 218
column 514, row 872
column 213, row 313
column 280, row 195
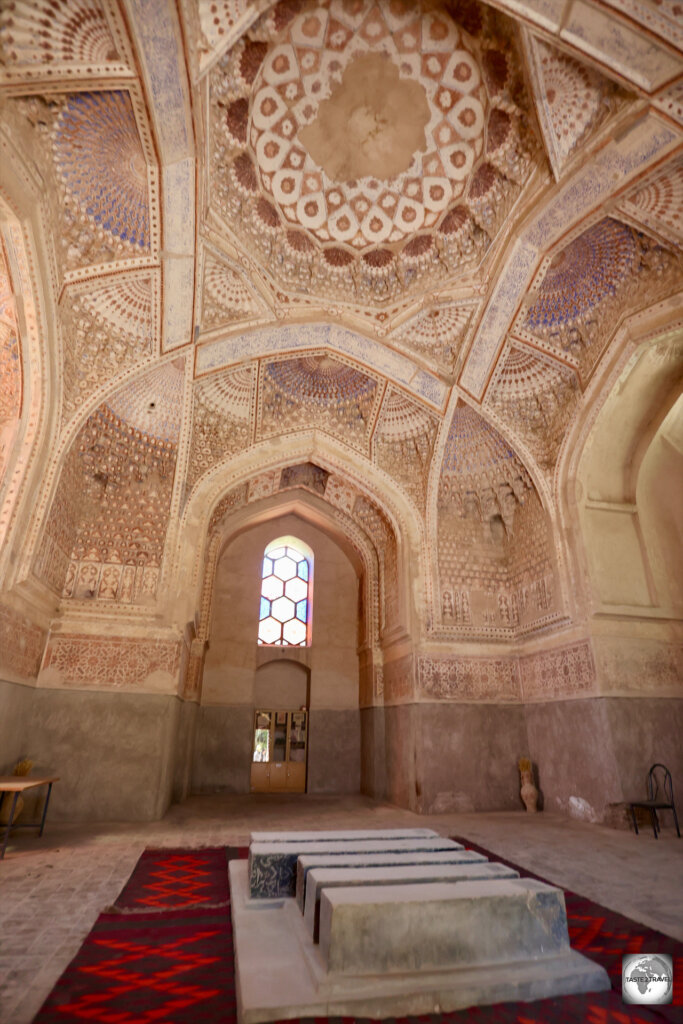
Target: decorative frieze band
column 122, row 663
column 546, row 675
column 478, row 679
column 21, row 645
column 565, row 672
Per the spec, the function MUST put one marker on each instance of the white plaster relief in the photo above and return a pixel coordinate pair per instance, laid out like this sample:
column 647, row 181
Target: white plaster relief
column 614, row 43
column 158, row 36
column 582, row 193
column 295, row 337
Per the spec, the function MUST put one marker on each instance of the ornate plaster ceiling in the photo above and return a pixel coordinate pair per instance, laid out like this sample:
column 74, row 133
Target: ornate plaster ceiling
column 372, row 149
column 410, row 235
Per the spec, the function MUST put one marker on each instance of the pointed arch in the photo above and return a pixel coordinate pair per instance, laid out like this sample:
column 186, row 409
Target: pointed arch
column 258, row 472
column 494, row 573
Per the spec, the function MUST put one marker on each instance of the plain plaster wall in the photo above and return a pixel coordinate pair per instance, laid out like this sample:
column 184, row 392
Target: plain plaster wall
column 400, row 732
column 334, row 751
column 222, row 752
column 183, row 754
column 373, row 753
column 571, row 744
column 235, row 664
column 114, row 753
column 646, row 731
column 281, row 684
column 617, row 556
column 595, row 752
column 659, row 496
column 467, row 756
column 16, row 715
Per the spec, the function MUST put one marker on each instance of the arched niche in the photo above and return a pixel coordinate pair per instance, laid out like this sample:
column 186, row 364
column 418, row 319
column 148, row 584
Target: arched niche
column 369, row 502
column 282, row 683
column 239, row 674
column 659, row 500
column 241, row 516
column 495, row 572
column 104, row 532
column 628, row 485
column 28, row 373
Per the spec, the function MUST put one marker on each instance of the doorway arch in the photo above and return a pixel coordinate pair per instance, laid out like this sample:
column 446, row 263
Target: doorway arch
column 240, row 676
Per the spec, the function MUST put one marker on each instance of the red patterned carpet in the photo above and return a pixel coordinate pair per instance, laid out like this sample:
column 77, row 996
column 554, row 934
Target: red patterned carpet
column 168, row 879
column 163, row 954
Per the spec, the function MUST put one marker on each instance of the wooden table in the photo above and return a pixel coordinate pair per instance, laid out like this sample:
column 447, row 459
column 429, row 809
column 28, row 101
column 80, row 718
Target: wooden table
column 17, row 784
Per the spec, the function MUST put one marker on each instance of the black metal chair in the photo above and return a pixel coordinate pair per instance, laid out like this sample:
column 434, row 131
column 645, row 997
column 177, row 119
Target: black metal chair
column 658, row 775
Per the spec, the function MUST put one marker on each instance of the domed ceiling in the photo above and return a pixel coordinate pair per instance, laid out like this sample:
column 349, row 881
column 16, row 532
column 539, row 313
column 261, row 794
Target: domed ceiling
column 368, row 150
column 415, row 235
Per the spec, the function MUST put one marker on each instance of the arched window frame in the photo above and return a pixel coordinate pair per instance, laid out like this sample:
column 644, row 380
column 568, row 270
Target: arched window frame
column 285, row 547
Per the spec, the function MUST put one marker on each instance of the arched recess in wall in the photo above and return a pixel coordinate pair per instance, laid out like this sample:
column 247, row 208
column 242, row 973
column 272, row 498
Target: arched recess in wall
column 231, row 521
column 65, row 241
column 353, row 520
column 629, row 486
column 110, row 494
column 282, row 684
column 25, row 414
column 495, row 571
column 351, row 490
column 330, row 679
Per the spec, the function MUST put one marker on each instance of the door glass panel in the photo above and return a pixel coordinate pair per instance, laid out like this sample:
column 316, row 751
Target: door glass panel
column 280, row 737
column 297, row 737
column 261, row 744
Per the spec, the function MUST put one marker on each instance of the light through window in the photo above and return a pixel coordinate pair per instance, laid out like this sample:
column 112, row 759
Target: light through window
column 285, row 612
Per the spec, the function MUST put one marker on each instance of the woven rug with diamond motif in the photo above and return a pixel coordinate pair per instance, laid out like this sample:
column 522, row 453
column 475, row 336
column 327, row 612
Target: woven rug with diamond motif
column 163, row 954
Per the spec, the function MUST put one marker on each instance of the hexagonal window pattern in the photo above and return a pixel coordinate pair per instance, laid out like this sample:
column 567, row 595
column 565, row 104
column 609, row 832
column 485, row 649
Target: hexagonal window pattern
column 272, row 587
column 285, row 609
column 296, row 589
column 270, row 631
column 294, row 632
column 285, row 568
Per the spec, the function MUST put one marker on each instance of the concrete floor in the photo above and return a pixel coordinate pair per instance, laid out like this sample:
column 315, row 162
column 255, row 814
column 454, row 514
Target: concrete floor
column 52, row 889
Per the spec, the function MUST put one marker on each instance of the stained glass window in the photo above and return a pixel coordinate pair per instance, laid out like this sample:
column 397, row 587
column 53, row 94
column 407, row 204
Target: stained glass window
column 285, row 611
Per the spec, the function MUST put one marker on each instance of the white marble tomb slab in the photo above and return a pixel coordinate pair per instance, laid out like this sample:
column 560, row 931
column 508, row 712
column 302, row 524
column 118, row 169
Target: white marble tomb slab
column 392, row 929
column 272, row 866
column 377, row 860
column 319, row 880
column 343, row 835
column 271, row 941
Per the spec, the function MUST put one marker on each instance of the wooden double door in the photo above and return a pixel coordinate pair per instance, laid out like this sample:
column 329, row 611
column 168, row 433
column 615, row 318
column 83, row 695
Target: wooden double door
column 279, row 751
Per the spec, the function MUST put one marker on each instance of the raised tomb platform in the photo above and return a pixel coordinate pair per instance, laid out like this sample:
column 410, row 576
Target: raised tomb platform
column 390, row 923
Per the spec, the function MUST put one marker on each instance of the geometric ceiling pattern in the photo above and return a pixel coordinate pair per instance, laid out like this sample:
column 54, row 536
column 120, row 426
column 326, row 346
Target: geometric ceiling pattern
column 410, row 237
column 582, row 275
column 78, row 33
column 574, row 100
column 99, row 157
column 588, row 285
column 312, row 150
column 658, row 203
